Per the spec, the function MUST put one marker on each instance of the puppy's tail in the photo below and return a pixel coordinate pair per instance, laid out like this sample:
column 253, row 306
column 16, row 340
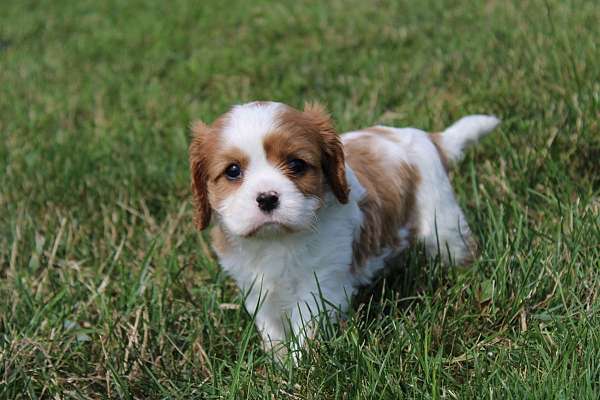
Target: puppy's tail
column 466, row 131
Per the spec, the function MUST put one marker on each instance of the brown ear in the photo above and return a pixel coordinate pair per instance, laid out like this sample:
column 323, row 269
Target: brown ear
column 333, row 152
column 198, row 154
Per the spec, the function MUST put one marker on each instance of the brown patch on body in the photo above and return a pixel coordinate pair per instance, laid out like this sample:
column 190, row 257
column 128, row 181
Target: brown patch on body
column 382, row 131
column 436, row 139
column 389, row 204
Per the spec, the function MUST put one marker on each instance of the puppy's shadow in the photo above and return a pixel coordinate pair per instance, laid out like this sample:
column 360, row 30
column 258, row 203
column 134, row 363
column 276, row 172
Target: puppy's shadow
column 399, row 284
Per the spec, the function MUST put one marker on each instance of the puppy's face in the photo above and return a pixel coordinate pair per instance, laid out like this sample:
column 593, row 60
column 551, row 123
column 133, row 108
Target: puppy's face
column 264, row 168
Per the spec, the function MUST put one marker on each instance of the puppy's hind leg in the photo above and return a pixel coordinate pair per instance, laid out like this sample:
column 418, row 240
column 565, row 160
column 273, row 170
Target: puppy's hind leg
column 442, row 224
column 448, row 236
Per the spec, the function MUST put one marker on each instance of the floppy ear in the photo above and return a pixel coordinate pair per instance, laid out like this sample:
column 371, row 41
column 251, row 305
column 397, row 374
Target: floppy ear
column 198, row 167
column 333, row 152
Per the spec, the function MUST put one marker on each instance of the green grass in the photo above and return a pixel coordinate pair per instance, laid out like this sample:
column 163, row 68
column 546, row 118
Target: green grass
column 106, row 289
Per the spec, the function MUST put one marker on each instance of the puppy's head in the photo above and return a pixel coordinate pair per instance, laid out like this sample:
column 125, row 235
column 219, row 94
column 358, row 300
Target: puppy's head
column 264, row 168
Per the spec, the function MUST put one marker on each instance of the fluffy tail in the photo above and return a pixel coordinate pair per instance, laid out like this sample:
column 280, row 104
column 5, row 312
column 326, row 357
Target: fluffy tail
column 465, row 132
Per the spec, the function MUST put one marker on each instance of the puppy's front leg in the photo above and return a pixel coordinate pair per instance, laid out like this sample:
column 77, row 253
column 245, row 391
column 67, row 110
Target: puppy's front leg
column 280, row 328
column 306, row 316
column 268, row 319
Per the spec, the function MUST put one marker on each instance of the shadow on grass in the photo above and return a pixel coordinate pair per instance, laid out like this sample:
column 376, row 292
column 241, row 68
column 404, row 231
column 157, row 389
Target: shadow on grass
column 400, row 284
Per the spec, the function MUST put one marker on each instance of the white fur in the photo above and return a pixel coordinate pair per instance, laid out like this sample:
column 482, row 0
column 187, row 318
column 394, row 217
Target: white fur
column 284, row 275
column 466, row 131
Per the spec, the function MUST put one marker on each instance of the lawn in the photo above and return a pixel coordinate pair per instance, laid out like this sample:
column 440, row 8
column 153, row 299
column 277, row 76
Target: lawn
column 107, row 290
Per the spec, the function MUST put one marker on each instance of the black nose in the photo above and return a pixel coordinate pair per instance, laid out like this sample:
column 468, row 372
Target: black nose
column 267, row 201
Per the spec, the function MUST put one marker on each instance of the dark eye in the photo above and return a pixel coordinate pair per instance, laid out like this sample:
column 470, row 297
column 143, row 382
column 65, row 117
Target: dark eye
column 233, row 172
column 297, row 166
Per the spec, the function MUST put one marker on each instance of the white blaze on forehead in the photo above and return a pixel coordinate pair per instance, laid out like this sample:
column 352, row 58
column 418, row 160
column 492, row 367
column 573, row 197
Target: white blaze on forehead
column 248, row 124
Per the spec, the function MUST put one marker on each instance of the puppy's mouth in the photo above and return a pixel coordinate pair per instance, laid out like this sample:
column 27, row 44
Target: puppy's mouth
column 268, row 229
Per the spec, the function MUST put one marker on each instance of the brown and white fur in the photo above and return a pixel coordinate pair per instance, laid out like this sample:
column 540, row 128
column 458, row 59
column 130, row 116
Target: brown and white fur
column 339, row 206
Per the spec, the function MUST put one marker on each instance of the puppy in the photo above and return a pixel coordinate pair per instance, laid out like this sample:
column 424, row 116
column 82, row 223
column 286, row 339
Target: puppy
column 303, row 217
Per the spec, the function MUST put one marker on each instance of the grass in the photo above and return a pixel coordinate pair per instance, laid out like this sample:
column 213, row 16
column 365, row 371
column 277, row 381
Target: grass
column 106, row 289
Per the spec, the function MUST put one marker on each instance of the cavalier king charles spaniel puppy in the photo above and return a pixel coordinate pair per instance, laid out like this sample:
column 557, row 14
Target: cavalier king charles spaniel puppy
column 302, row 216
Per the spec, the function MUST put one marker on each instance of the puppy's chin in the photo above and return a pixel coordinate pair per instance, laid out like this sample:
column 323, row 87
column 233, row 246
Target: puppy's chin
column 269, row 230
